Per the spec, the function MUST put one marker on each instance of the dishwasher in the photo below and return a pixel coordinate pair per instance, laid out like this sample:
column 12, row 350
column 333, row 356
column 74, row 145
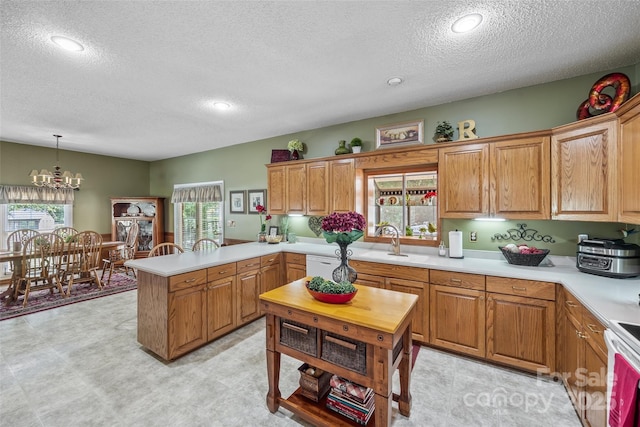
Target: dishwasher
column 323, row 266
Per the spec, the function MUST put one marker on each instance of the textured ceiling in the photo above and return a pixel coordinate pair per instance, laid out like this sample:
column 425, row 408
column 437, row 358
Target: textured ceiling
column 143, row 86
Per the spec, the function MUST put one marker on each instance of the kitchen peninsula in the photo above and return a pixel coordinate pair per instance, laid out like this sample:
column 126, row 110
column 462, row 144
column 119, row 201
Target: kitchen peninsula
column 186, row 276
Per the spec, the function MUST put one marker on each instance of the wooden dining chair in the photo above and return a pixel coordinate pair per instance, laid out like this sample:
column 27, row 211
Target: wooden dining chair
column 40, row 265
column 118, row 257
column 20, row 236
column 82, row 261
column 65, row 232
column 166, row 248
column 205, row 244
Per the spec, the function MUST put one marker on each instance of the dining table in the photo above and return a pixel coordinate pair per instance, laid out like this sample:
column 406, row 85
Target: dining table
column 15, row 257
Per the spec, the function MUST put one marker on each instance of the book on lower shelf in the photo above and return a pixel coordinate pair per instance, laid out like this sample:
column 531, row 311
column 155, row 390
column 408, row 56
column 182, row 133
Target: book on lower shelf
column 351, row 400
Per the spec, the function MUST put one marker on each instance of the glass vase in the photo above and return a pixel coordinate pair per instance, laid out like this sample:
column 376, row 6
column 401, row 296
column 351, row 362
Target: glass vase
column 262, row 237
column 344, row 272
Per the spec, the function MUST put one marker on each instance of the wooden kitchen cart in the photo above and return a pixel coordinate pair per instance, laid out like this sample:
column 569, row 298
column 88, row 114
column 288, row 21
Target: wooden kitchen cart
column 363, row 341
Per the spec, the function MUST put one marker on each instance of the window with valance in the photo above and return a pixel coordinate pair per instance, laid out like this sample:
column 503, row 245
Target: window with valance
column 198, row 212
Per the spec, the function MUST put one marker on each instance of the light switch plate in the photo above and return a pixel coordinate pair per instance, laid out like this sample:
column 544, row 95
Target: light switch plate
column 473, row 236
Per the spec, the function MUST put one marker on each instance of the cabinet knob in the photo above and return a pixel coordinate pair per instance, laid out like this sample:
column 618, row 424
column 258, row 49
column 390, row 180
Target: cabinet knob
column 571, row 303
column 519, row 288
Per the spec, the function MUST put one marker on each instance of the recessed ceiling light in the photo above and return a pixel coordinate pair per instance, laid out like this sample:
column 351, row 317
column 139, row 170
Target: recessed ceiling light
column 394, row 81
column 67, row 43
column 466, row 23
column 221, row 105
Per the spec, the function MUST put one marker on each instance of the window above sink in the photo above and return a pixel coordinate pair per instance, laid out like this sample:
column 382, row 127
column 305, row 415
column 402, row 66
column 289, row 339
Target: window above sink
column 406, row 199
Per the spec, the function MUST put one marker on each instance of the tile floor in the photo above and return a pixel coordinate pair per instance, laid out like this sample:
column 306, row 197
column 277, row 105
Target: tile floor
column 81, row 365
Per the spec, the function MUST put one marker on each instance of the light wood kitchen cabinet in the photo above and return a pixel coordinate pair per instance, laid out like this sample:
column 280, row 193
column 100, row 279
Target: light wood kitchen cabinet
column 296, row 189
column 520, row 178
column 317, row 194
column 582, row 359
column 412, row 280
column 463, row 177
column 419, row 326
column 221, row 292
column 270, row 272
column 276, row 190
column 295, row 266
column 174, row 309
column 248, row 290
column 341, row 191
column 628, row 161
column 521, row 323
column 457, row 312
column 583, row 170
column 507, row 178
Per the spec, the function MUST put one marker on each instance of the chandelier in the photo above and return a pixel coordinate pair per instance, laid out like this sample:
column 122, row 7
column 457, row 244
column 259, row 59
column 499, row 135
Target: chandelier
column 57, row 179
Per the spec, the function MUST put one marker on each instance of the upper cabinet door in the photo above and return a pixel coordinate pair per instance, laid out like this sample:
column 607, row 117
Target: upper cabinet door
column 583, row 165
column 463, row 175
column 520, row 172
column 296, row 184
column 276, row 190
column 318, row 188
column 343, row 185
column 629, row 162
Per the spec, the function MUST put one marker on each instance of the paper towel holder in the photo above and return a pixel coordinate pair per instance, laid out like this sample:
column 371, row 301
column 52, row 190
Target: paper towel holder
column 452, row 246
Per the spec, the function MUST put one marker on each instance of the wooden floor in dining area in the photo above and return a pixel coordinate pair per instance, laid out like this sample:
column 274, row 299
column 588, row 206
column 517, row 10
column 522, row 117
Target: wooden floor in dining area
column 81, row 365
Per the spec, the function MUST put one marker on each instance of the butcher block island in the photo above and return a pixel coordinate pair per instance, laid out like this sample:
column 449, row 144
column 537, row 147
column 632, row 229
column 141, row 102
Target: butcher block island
column 363, row 341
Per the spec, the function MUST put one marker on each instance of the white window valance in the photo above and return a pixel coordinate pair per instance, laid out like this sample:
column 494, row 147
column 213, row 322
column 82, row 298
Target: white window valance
column 197, row 193
column 33, row 194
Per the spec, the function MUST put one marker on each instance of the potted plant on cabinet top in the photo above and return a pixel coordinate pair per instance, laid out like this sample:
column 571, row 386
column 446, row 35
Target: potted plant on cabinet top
column 295, row 146
column 356, row 145
column 444, row 132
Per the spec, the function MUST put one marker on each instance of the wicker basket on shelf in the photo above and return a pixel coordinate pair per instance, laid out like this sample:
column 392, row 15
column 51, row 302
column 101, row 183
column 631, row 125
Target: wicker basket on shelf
column 531, row 260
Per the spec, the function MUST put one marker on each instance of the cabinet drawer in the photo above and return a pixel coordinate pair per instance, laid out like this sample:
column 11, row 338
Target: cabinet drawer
column 594, row 330
column 267, row 260
column 299, row 336
column 220, row 271
column 572, row 305
column 292, row 258
column 345, row 352
column 459, row 280
column 248, row 265
column 187, row 280
column 519, row 287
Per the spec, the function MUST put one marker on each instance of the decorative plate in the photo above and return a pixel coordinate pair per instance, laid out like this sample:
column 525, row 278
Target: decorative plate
column 133, row 210
column 393, row 200
column 315, row 225
column 332, row 298
column 149, row 210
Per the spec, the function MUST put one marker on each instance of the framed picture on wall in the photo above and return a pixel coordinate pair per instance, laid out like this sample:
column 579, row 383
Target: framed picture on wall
column 255, row 198
column 400, row 134
column 237, row 202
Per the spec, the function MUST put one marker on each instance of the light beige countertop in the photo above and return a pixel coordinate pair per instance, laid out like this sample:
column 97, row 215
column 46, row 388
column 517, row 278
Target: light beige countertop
column 608, row 299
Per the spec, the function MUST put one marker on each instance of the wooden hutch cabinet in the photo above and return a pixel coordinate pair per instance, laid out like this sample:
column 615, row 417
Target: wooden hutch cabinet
column 148, row 212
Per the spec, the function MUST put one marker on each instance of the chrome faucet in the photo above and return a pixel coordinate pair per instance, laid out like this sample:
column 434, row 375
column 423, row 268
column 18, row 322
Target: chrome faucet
column 395, row 241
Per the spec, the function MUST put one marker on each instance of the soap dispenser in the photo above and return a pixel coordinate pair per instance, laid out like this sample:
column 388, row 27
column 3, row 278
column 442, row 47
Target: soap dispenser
column 442, row 249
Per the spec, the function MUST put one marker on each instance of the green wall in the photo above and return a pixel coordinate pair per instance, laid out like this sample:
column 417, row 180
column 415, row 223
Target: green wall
column 241, row 167
column 520, row 110
column 104, row 176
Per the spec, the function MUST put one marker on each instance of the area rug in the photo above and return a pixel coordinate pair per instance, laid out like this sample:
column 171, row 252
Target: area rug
column 44, row 300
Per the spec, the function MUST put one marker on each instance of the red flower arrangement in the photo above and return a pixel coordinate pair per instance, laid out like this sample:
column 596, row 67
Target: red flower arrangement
column 430, row 194
column 263, row 224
